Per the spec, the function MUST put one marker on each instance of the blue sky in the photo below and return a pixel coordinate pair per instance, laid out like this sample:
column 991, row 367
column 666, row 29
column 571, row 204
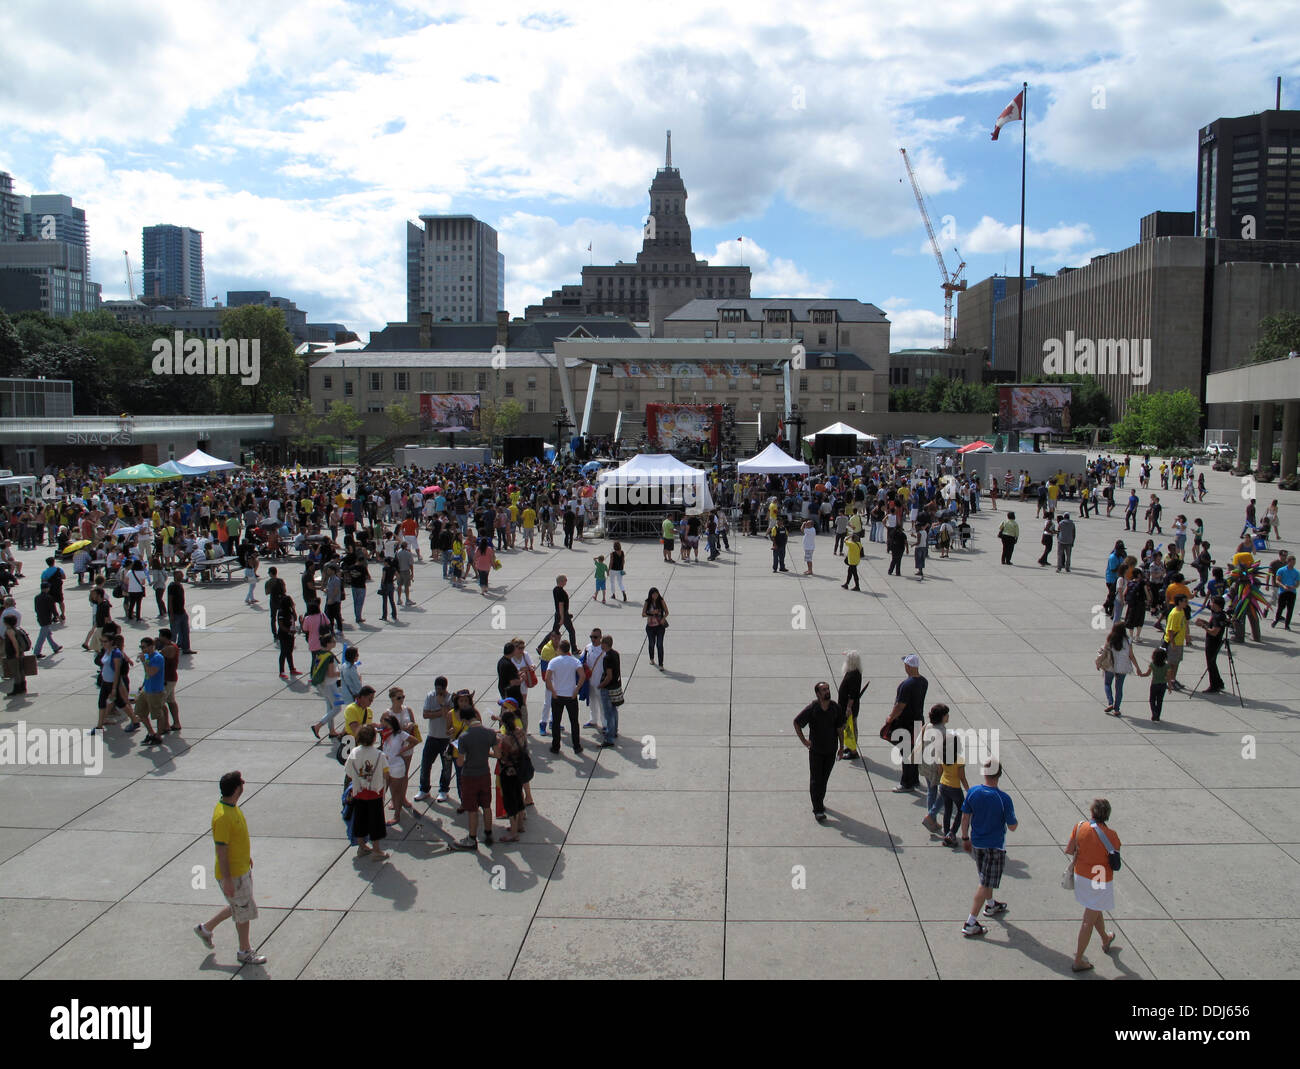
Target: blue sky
column 301, row 137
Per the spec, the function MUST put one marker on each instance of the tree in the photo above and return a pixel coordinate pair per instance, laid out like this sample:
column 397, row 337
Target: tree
column 1163, row 420
column 905, row 399
column 934, row 393
column 1279, row 335
column 399, row 416
column 11, row 346
column 499, row 417
column 280, row 369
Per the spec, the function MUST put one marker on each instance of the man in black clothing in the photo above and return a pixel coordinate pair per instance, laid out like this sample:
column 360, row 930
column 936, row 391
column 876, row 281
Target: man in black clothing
column 907, row 716
column 1216, row 632
column 825, row 722
column 178, row 618
column 46, row 613
column 562, row 617
column 275, row 591
column 508, row 681
column 779, row 538
column 570, row 521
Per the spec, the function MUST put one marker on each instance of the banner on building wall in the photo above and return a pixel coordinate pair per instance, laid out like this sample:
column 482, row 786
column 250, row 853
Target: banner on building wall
column 439, row 410
column 683, row 429
column 661, row 370
column 1022, row 408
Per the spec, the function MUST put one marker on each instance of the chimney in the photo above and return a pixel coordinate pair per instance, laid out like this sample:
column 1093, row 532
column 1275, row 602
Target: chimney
column 503, row 329
column 426, row 330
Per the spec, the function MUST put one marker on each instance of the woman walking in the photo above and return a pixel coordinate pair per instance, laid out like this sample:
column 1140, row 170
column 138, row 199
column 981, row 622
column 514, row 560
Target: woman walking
column 849, row 695
column 250, row 577
column 1093, row 845
column 1116, row 662
column 286, row 624
column 896, row 543
column 484, row 558
column 617, row 559
column 158, row 580
column 655, row 611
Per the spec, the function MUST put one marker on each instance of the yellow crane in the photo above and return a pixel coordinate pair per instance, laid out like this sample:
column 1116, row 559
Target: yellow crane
column 952, row 283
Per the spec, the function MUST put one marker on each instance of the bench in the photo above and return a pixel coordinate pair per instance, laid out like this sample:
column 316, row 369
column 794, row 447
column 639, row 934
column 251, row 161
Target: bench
column 204, row 571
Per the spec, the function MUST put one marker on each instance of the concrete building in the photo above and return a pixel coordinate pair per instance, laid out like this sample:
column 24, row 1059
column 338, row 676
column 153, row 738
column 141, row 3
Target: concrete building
column 53, row 217
column 1258, row 391
column 977, row 327
column 914, row 368
column 1248, row 177
column 172, row 266
column 846, row 344
column 666, row 274
column 11, row 214
column 46, row 276
column 453, row 269
column 1193, row 304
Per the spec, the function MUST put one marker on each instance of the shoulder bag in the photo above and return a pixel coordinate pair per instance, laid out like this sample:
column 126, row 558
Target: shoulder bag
column 1111, row 855
column 1105, row 661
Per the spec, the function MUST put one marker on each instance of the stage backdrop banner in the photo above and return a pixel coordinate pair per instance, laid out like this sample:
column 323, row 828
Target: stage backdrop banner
column 438, row 410
column 682, row 428
column 1022, row 407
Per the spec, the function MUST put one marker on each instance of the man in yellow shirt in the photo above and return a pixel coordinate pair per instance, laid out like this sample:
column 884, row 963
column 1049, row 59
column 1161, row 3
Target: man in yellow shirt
column 358, row 712
column 234, row 869
column 528, row 520
column 1176, row 638
column 852, row 557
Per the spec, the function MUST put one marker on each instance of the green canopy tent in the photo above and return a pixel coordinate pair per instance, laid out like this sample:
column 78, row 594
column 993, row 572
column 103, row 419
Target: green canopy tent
column 142, row 473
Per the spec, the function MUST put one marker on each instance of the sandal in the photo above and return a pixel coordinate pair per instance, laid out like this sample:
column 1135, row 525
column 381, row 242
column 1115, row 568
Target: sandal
column 1109, row 945
column 1082, row 968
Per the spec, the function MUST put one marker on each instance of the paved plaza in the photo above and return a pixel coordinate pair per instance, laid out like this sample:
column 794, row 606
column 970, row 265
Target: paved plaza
column 690, row 850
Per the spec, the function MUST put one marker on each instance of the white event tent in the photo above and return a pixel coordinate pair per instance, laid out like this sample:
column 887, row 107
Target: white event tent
column 841, row 428
column 198, row 463
column 772, row 461
column 655, row 479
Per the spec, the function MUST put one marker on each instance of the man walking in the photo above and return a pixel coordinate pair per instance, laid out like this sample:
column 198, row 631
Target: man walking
column 1131, row 511
column 852, row 557
column 987, row 814
column 563, row 679
column 1065, row 532
column 610, row 686
column 275, row 591
column 234, row 869
column 47, row 613
column 1049, row 531
column 906, row 718
column 1287, row 579
column 562, row 617
column 825, row 722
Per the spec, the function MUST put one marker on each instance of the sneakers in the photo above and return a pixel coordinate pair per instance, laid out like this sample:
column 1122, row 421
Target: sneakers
column 930, row 823
column 247, row 957
column 442, row 797
column 992, row 909
column 423, row 796
column 467, row 843
column 133, row 727
column 820, row 818
column 204, row 935
column 970, row 930
column 949, row 840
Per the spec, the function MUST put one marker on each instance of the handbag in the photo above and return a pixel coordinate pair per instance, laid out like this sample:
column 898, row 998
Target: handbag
column 29, row 664
column 1105, row 661
column 530, row 675
column 1111, row 855
column 615, row 696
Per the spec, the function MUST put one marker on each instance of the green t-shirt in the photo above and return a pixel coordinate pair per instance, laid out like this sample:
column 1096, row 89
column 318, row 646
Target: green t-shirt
column 602, row 569
column 1159, row 673
column 668, row 529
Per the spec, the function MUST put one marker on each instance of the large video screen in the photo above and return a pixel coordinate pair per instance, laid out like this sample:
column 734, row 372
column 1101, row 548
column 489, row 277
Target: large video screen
column 1026, row 407
column 439, row 411
column 683, row 429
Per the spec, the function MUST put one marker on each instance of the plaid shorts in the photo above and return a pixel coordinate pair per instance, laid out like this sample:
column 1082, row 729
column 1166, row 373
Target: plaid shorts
column 990, row 863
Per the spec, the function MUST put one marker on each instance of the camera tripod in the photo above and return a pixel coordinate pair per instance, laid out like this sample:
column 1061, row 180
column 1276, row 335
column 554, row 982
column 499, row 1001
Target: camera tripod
column 1234, row 684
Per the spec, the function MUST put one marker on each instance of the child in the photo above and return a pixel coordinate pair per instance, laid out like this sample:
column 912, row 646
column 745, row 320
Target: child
column 1159, row 680
column 602, row 569
column 1198, row 536
column 458, row 562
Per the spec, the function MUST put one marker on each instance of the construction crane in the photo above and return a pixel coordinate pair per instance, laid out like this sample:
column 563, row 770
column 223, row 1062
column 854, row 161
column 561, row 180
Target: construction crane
column 130, row 282
column 952, row 283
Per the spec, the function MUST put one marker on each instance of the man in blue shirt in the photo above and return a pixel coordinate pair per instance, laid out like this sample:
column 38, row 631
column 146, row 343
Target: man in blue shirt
column 1113, row 562
column 987, row 813
column 1131, row 512
column 1287, row 579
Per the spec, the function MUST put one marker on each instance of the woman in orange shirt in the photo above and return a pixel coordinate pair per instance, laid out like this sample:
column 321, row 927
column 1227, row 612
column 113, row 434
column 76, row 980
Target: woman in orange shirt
column 1094, row 878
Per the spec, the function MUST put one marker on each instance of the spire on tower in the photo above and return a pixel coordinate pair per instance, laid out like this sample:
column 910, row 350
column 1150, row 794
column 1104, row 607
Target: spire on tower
column 668, row 154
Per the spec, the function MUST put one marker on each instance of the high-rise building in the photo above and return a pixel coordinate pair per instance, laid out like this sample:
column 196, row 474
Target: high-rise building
column 53, row 217
column 666, row 274
column 453, row 270
column 501, row 282
column 172, row 266
column 1248, row 177
column 11, row 215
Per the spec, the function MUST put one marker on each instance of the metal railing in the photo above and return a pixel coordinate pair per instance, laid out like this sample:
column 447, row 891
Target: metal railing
column 642, row 524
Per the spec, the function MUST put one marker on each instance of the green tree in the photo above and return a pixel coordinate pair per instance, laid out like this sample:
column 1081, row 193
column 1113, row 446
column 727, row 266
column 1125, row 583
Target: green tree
column 281, row 370
column 934, row 392
column 499, row 417
column 1163, row 420
column 906, row 399
column 11, row 346
column 1279, row 335
column 400, row 416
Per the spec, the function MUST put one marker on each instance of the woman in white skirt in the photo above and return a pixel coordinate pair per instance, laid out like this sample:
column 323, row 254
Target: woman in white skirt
column 1091, row 843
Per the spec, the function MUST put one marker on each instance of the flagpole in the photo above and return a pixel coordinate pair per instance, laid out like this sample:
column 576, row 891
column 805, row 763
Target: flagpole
column 1020, row 300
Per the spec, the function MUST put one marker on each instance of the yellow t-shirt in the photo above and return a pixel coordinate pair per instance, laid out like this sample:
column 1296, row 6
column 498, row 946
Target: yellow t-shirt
column 1176, row 628
column 853, row 552
column 354, row 716
column 951, row 774
column 530, row 518
column 229, row 829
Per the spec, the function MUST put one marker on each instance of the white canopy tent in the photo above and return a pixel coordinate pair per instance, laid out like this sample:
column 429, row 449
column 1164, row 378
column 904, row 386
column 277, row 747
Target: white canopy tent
column 202, row 463
column 655, row 479
column 772, row 461
column 841, row 428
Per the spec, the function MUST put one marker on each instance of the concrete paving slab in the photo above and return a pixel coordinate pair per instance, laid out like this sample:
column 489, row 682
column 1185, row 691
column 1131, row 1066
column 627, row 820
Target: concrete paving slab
column 608, row 949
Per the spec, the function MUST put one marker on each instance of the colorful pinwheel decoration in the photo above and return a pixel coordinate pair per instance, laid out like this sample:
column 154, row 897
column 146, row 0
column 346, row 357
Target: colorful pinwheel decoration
column 1246, row 592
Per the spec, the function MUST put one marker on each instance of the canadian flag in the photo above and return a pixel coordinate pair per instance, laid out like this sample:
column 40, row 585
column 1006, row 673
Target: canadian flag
column 1013, row 112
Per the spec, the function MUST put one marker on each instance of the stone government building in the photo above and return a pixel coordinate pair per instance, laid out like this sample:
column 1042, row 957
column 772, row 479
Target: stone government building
column 666, row 274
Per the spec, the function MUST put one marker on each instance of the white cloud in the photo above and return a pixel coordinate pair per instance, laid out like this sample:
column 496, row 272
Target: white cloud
column 912, row 328
column 772, row 276
column 1062, row 242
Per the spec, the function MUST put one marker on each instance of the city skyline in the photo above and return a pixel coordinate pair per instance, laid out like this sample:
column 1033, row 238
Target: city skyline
column 785, row 134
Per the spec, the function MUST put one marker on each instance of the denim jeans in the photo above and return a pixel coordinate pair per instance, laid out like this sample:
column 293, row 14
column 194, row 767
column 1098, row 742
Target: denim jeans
column 44, row 636
column 932, row 797
column 435, row 748
column 611, row 714
column 1117, row 696
column 358, row 599
column 952, row 803
column 446, row 563
column 180, row 624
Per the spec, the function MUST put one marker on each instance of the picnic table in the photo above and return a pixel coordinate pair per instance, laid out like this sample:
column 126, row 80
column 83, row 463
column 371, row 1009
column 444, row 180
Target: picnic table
column 206, row 570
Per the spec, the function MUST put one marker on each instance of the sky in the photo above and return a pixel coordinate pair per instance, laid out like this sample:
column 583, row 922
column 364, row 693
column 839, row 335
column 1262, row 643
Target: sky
column 300, row 137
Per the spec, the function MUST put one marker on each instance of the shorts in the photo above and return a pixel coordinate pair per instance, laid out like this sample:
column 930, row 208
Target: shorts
column 475, row 792
column 242, row 907
column 1175, row 655
column 150, row 703
column 106, row 694
column 412, row 542
column 368, row 819
column 668, row 544
column 600, row 584
column 990, row 863
column 169, row 691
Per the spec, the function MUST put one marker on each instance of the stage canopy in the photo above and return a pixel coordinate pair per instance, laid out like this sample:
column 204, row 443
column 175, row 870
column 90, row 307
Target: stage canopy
column 141, row 473
column 938, row 444
column 980, row 446
column 772, row 461
column 655, row 479
column 841, row 428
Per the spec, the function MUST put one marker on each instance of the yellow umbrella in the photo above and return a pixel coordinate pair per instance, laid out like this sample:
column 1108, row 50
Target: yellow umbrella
column 72, row 547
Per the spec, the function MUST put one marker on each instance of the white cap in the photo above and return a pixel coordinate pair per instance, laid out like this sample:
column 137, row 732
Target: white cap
column 912, row 661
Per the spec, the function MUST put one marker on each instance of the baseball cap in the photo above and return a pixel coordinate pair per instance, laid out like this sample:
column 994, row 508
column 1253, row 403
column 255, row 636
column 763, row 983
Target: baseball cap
column 912, row 661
